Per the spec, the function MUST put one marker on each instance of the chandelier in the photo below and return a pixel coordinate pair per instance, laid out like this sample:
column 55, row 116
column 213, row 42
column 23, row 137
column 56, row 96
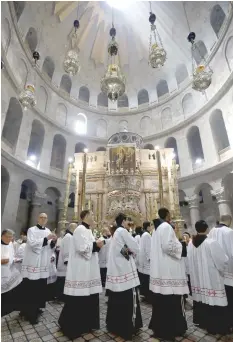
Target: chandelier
column 113, row 82
column 71, row 62
column 202, row 73
column 27, row 96
column 157, row 54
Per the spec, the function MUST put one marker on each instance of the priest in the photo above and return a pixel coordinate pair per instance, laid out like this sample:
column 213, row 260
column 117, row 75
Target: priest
column 124, row 314
column 167, row 281
column 224, row 235
column 80, row 313
column 63, row 261
column 35, row 268
column 207, row 261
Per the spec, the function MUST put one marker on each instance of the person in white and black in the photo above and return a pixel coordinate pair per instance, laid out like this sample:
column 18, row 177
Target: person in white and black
column 167, row 280
column 123, row 314
column 35, row 268
column 11, row 279
column 80, row 313
column 144, row 260
column 63, row 261
column 103, row 256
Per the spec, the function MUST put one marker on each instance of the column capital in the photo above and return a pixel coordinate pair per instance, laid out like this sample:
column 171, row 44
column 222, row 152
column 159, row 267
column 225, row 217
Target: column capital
column 38, row 198
column 193, row 201
column 220, row 194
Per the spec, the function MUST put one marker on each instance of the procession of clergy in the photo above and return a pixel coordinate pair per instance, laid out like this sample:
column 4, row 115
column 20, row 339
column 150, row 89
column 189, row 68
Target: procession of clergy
column 154, row 265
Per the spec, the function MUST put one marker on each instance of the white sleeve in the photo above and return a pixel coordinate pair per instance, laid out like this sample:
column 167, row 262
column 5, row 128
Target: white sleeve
column 66, row 246
column 20, row 253
column 218, row 255
column 147, row 246
column 229, row 244
column 34, row 242
column 169, row 242
column 130, row 241
column 82, row 243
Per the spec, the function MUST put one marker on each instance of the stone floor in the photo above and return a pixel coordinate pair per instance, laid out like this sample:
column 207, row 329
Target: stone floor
column 15, row 329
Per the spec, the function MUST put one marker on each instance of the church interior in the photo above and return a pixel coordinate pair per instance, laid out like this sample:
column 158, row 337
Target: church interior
column 114, row 107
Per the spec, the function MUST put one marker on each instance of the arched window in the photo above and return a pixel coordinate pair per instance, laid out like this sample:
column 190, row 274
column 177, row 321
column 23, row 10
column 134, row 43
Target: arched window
column 71, row 200
column 143, row 97
column 162, row 88
column 219, row 130
column 166, row 117
column 48, row 67
column 123, row 101
column 42, row 99
column 61, row 114
column 6, row 34
column 19, row 8
column 194, row 144
column 101, row 148
column 229, row 53
column 50, row 207
column 123, row 126
column 181, row 73
column 188, row 104
column 84, row 94
column 199, row 51
column 79, row 147
column 101, row 128
column 58, row 152
column 148, row 147
column 5, row 180
column 171, row 143
column 36, row 142
column 217, row 18
column 31, row 39
column 102, row 100
column 81, row 124
column 145, row 124
column 12, row 123
column 66, row 83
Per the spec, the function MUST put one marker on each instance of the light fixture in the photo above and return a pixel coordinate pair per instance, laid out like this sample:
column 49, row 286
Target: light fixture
column 85, row 150
column 173, row 155
column 32, row 157
column 157, row 147
column 157, row 54
column 198, row 161
column 113, row 82
column 71, row 62
column 202, row 73
column 27, row 96
column 70, row 160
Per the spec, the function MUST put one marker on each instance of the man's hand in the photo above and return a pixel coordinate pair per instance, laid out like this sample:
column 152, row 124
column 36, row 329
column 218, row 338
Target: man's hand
column 4, row 261
column 99, row 243
column 52, row 237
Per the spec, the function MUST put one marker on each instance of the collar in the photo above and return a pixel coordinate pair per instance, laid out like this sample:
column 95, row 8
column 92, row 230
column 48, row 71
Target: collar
column 40, row 227
column 3, row 243
column 86, row 225
column 198, row 240
column 221, row 225
column 68, row 232
column 106, row 237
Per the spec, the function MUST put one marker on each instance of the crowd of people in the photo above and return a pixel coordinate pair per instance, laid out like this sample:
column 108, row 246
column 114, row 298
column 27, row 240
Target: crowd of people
column 149, row 264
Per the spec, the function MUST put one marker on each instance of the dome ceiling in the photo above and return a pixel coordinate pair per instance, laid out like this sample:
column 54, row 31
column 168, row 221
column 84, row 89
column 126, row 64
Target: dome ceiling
column 49, row 25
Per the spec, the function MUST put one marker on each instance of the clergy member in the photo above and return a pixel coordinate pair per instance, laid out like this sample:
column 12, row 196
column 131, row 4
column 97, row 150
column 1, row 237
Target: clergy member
column 10, row 276
column 224, row 235
column 80, row 313
column 35, row 268
column 63, row 260
column 103, row 255
column 144, row 260
column 124, row 314
column 167, row 281
column 207, row 261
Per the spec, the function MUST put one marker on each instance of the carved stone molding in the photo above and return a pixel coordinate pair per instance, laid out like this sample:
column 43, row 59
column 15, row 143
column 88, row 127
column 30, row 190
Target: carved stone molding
column 38, row 198
column 193, row 201
column 220, row 194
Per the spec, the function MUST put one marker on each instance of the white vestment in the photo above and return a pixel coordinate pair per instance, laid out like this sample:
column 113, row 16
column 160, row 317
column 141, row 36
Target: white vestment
column 144, row 253
column 10, row 275
column 103, row 254
column 64, row 255
column 122, row 273
column 167, row 271
column 19, row 256
column 83, row 272
column 52, row 267
column 224, row 236
column 206, row 267
column 35, row 262
column 138, row 238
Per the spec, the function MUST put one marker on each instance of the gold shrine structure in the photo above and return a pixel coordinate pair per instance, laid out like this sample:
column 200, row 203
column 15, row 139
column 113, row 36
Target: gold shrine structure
column 124, row 178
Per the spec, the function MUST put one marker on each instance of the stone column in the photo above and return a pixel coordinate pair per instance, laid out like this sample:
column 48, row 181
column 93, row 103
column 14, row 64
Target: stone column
column 184, row 157
column 76, row 203
column 60, row 209
column 222, row 201
column 194, row 209
column 45, row 157
column 211, row 156
column 35, row 208
column 21, row 148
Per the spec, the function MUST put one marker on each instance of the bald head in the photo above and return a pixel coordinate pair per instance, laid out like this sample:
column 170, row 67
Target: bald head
column 42, row 219
column 72, row 227
column 226, row 219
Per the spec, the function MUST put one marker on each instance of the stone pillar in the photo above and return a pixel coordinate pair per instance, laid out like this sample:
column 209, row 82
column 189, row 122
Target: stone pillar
column 60, row 209
column 222, row 201
column 21, row 148
column 45, row 157
column 211, row 156
column 194, row 209
column 35, row 208
column 184, row 157
column 76, row 200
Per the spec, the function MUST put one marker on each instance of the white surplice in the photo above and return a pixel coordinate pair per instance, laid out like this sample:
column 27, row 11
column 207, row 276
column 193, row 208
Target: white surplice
column 19, row 256
column 35, row 262
column 83, row 272
column 64, row 255
column 138, row 238
column 167, row 272
column 122, row 273
column 103, row 254
column 52, row 267
column 206, row 266
column 144, row 253
column 224, row 236
column 10, row 275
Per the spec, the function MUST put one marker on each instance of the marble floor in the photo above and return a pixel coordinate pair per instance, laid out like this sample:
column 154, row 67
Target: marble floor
column 13, row 328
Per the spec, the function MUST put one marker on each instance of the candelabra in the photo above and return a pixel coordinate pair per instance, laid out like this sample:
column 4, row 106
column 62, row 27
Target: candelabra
column 83, row 194
column 158, row 158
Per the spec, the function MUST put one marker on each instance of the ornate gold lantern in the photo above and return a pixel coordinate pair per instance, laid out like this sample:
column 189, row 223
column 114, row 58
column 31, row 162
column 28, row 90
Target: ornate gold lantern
column 157, row 54
column 71, row 62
